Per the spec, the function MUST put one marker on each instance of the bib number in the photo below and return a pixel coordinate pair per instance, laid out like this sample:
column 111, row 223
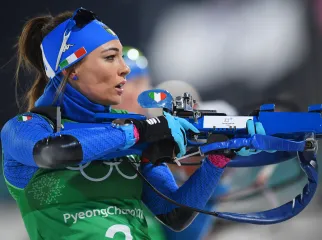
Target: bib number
column 112, row 230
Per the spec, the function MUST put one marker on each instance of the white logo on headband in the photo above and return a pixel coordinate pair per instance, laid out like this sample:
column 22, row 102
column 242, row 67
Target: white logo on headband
column 109, row 30
column 67, row 46
column 49, row 71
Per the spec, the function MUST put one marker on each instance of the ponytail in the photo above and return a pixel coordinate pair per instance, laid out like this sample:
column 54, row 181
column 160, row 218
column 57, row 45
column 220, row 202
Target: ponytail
column 29, row 54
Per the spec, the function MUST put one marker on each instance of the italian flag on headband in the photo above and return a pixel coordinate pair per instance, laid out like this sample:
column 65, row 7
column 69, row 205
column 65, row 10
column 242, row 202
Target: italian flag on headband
column 73, row 57
column 24, row 118
column 157, row 96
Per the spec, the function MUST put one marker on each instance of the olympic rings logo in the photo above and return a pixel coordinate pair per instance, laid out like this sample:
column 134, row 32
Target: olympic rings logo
column 112, row 166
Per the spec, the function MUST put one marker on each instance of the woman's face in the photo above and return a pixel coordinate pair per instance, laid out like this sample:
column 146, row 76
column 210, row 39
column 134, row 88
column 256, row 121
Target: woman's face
column 101, row 74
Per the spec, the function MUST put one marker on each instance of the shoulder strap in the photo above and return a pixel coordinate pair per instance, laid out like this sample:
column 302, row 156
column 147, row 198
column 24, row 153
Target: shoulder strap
column 53, row 114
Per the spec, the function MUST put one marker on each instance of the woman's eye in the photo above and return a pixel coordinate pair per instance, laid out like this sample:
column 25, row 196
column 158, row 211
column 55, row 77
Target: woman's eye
column 110, row 58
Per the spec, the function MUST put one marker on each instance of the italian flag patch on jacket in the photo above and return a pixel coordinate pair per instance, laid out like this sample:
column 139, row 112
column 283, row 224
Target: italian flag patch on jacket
column 24, row 118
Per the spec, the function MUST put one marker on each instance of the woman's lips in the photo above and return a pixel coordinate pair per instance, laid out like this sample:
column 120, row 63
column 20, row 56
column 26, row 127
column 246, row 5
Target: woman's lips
column 119, row 91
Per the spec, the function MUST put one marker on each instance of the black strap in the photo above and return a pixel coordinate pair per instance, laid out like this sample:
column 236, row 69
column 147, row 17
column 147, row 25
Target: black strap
column 50, row 113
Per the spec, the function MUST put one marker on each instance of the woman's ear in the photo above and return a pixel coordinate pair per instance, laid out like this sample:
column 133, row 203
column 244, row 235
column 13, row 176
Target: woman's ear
column 72, row 74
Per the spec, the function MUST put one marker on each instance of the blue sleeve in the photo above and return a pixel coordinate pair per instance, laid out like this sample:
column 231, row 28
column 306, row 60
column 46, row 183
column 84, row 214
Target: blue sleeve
column 19, row 138
column 195, row 192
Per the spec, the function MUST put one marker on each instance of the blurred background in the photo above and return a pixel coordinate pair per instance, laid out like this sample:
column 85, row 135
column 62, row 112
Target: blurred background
column 234, row 54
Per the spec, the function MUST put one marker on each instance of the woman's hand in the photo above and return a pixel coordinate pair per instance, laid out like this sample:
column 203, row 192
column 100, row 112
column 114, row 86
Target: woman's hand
column 178, row 127
column 164, row 127
column 253, row 128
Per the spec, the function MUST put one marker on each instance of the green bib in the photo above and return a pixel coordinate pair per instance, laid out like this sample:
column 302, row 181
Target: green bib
column 98, row 200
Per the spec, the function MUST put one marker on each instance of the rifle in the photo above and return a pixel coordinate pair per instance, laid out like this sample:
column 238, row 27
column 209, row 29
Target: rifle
column 290, row 132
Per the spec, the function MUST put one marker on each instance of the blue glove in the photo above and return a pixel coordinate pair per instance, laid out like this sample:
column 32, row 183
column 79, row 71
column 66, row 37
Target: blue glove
column 161, row 130
column 178, row 127
column 253, row 128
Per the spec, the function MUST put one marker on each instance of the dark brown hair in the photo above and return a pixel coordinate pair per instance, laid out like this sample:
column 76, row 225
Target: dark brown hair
column 29, row 54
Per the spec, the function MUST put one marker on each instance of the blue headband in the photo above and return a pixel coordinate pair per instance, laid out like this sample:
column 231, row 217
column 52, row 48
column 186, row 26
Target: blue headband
column 72, row 43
